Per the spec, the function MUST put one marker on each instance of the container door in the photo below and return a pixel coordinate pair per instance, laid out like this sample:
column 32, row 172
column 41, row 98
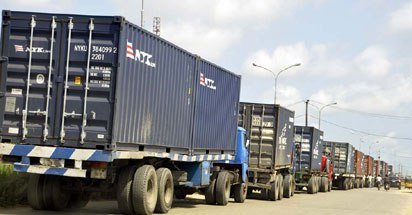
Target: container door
column 58, row 80
column 30, row 49
column 86, row 82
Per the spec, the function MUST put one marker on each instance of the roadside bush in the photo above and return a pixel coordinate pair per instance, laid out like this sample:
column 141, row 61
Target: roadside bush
column 13, row 186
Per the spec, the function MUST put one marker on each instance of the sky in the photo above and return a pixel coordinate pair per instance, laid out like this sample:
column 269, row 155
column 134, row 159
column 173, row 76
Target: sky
column 357, row 53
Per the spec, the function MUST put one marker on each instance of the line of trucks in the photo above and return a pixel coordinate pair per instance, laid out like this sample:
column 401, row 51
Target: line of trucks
column 97, row 104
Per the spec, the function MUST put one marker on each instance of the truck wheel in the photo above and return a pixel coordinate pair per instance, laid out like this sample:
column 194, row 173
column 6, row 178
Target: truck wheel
column 240, row 192
column 124, row 190
column 323, row 185
column 79, row 200
column 223, row 185
column 346, row 184
column 55, row 197
column 281, row 187
column 316, row 184
column 312, row 185
column 287, row 186
column 35, row 191
column 273, row 193
column 165, row 190
column 210, row 196
column 330, row 185
column 144, row 190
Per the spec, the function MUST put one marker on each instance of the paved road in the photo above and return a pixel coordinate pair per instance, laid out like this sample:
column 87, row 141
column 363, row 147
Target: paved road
column 365, row 201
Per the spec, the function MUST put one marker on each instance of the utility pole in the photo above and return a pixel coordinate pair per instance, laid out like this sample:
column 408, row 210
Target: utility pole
column 141, row 15
column 306, row 115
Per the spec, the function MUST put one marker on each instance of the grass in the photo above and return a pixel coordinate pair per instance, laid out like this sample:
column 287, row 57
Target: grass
column 13, row 186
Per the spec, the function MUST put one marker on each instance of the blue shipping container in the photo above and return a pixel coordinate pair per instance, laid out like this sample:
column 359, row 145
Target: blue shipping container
column 309, row 149
column 102, row 82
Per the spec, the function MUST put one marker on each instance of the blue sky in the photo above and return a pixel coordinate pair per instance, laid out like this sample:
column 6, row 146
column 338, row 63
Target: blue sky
column 357, row 53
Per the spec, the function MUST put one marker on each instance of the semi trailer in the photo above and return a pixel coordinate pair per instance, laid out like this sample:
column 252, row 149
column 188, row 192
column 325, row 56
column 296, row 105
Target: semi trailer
column 270, row 131
column 98, row 104
column 359, row 169
column 308, row 169
column 368, row 171
column 343, row 164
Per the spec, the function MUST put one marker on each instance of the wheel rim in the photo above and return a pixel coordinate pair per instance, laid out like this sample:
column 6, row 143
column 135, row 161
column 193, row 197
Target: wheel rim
column 168, row 191
column 227, row 189
column 151, row 197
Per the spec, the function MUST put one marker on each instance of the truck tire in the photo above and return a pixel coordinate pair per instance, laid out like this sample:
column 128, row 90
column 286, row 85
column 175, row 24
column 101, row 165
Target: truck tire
column 79, row 200
column 330, row 185
column 273, row 193
column 346, row 184
column 35, row 191
column 55, row 197
column 316, row 184
column 281, row 187
column 210, row 196
column 223, row 185
column 144, row 190
column 287, row 186
column 323, row 185
column 165, row 190
column 240, row 192
column 312, row 185
column 124, row 190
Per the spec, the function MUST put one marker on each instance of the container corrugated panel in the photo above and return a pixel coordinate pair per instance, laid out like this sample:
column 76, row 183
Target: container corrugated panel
column 343, row 157
column 154, row 95
column 377, row 168
column 129, row 90
column 216, row 112
column 368, row 165
column 359, row 166
column 270, row 129
column 309, row 141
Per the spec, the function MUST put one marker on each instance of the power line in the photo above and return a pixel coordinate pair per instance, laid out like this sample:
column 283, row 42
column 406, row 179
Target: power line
column 378, row 115
column 362, row 132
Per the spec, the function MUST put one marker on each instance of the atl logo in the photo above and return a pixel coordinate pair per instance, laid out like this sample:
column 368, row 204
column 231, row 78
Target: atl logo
column 139, row 56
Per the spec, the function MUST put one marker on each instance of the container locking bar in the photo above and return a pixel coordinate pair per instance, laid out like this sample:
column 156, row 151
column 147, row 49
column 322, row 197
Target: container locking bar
column 49, row 84
column 66, row 83
column 86, row 88
column 26, row 106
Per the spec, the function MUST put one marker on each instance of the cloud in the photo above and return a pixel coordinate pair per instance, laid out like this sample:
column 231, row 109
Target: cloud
column 206, row 41
column 277, row 60
column 401, row 19
column 373, row 62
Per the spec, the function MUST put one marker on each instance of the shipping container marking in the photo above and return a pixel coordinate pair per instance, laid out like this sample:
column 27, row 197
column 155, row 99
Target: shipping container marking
column 138, row 55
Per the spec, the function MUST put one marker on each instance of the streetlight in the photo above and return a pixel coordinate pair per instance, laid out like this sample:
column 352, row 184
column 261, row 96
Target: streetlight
column 320, row 110
column 276, row 75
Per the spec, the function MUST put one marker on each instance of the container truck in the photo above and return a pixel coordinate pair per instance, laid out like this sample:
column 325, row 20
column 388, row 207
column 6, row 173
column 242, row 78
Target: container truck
column 308, row 160
column 270, row 131
column 98, row 104
column 359, row 169
column 368, row 171
column 343, row 164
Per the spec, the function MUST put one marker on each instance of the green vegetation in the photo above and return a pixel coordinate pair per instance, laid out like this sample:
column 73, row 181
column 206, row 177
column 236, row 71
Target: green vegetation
column 13, row 186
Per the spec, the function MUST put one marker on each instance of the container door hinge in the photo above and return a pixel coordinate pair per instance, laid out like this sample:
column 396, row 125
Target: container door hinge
column 3, row 59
